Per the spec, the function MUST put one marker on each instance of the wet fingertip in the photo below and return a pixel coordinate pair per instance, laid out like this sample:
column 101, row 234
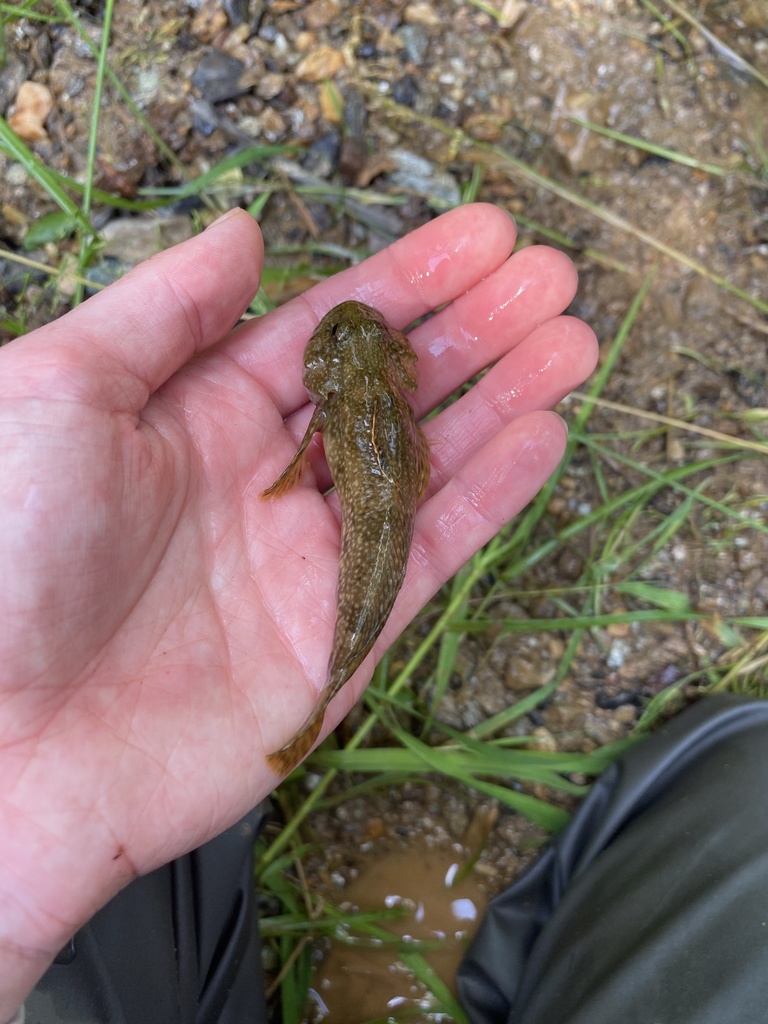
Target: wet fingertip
column 229, row 215
column 564, row 422
column 514, row 222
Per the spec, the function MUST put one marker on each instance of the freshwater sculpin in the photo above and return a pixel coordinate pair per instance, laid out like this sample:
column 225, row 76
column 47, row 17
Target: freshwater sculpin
column 357, row 370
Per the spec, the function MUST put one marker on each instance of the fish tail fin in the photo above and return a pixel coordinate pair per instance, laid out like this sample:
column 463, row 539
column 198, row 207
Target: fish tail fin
column 284, row 760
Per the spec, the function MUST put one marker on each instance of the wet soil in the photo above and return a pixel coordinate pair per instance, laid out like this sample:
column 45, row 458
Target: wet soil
column 411, row 103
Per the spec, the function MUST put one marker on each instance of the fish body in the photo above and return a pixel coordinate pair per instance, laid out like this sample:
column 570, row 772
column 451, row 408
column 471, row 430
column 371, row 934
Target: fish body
column 357, row 370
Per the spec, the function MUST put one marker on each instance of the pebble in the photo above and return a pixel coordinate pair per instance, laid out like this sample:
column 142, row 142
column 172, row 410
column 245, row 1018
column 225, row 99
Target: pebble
column 322, row 156
column 219, row 77
column 322, row 62
column 415, row 173
column 13, row 74
column 34, row 103
column 421, row 14
column 405, row 91
column 272, row 125
column 15, row 175
column 415, row 41
column 209, row 21
column 321, row 13
column 133, row 240
column 270, row 85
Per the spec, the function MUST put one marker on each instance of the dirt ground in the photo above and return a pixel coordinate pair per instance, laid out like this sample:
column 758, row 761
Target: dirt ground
column 406, row 102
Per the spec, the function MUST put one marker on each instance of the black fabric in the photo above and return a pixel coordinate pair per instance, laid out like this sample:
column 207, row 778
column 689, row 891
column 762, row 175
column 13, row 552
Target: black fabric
column 178, row 946
column 651, row 907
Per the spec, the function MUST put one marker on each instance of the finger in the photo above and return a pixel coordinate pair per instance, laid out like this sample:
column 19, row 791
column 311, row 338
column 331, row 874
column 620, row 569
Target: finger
column 427, row 268
column 493, row 318
column 479, row 499
column 121, row 345
column 542, row 370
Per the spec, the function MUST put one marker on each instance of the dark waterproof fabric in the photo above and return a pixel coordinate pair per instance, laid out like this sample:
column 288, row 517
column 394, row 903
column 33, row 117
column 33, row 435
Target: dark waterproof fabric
column 652, row 906
column 178, row 946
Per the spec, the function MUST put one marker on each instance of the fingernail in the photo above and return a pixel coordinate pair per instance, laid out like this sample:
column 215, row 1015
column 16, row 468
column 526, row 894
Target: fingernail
column 565, row 425
column 225, row 217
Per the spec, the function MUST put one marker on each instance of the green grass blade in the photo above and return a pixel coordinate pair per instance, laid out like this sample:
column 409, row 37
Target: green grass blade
column 430, row 979
column 673, row 155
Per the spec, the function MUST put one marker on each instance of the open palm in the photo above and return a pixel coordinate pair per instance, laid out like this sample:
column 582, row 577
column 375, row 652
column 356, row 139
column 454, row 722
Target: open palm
column 163, row 627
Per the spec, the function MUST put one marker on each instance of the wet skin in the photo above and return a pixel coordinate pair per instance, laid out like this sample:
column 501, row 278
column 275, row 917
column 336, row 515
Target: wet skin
column 357, row 370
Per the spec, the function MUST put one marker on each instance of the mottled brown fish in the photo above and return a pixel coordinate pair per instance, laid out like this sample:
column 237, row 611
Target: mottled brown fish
column 357, row 370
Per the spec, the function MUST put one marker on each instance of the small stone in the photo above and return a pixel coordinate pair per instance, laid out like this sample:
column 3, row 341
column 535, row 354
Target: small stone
column 270, row 85
column 626, row 714
column 304, row 41
column 617, row 654
column 134, row 239
column 421, row 14
column 146, row 86
column 323, row 155
column 482, row 126
column 416, row 174
column 234, row 44
column 204, row 119
column 542, row 739
column 353, row 157
column 34, row 103
column 249, row 125
column 415, row 40
column 322, row 62
column 405, row 91
column 13, row 74
column 15, row 175
column 219, row 77
column 321, row 13
column 240, row 11
column 272, row 125
column 209, row 21
column 375, row 829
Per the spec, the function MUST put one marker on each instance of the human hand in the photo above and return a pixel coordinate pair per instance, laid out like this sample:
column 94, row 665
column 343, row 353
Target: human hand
column 163, row 627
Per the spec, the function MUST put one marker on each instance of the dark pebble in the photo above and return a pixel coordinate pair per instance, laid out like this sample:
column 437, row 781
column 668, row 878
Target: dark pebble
column 353, row 157
column 217, row 76
column 366, row 52
column 405, row 91
column 322, row 156
column 204, row 117
column 611, row 701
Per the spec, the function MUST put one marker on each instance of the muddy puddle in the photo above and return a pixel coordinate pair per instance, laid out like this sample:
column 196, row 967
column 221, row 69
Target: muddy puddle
column 440, row 905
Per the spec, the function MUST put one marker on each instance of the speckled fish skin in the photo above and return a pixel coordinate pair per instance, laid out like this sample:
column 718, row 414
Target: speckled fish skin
column 357, row 370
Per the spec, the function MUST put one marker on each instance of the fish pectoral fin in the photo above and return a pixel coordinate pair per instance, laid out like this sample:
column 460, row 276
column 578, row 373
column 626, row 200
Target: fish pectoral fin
column 284, row 760
column 288, row 478
column 292, row 472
